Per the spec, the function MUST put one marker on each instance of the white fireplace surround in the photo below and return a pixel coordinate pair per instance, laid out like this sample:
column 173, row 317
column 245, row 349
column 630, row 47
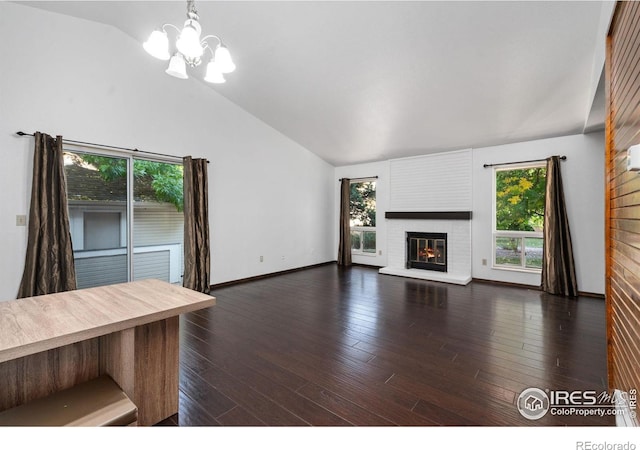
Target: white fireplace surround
column 458, row 249
column 436, row 183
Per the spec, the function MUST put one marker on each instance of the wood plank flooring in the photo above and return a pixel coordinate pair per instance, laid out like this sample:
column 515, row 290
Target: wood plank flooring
column 330, row 346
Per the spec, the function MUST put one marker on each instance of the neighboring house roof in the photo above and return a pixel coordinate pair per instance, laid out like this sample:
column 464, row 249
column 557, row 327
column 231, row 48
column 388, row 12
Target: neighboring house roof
column 88, row 185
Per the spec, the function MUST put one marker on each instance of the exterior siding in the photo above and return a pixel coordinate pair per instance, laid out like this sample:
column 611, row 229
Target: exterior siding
column 101, row 270
column 151, row 265
column 155, row 225
column 158, row 224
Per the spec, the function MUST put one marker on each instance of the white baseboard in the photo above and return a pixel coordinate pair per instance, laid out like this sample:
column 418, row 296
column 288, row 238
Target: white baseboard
column 626, row 416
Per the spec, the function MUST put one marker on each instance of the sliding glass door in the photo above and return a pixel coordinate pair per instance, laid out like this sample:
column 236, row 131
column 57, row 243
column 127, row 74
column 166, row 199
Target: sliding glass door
column 98, row 219
column 158, row 221
column 126, row 218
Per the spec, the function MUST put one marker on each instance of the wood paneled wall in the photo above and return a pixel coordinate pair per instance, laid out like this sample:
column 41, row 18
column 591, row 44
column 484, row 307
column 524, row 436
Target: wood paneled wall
column 622, row 198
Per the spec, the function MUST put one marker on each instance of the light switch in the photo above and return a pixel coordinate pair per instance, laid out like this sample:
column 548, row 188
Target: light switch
column 21, row 220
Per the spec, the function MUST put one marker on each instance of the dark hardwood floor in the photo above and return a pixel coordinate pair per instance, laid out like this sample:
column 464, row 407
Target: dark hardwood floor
column 333, row 346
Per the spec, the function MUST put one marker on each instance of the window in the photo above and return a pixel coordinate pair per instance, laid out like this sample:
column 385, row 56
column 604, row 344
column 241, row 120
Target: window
column 519, row 217
column 102, row 230
column 121, row 232
column 362, row 209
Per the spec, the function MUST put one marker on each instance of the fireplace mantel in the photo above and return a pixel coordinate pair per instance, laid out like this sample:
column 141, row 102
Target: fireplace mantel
column 429, row 215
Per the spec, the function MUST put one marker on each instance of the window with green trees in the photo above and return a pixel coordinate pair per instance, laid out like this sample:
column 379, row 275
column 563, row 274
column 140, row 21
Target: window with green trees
column 165, row 179
column 519, row 217
column 362, row 208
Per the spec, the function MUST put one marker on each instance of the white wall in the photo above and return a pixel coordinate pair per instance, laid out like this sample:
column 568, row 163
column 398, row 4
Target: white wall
column 90, row 82
column 583, row 179
column 381, row 169
column 583, row 182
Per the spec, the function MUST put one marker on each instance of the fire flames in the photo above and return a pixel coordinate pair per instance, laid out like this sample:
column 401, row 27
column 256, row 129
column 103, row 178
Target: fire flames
column 428, row 253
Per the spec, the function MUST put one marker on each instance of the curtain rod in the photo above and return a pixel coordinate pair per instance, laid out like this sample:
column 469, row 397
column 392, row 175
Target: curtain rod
column 361, row 178
column 563, row 158
column 134, row 150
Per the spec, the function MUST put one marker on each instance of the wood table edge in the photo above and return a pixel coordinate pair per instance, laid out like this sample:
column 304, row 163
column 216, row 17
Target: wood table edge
column 101, row 330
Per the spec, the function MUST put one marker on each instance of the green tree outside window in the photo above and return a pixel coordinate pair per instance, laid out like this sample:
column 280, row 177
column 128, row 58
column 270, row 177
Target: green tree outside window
column 520, row 199
column 166, row 179
column 362, row 204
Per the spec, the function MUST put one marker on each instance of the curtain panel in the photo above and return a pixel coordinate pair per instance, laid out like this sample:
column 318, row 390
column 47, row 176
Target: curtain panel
column 558, row 267
column 49, row 266
column 197, row 264
column 344, row 245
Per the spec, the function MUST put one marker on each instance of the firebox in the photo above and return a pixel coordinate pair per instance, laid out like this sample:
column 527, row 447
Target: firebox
column 427, row 251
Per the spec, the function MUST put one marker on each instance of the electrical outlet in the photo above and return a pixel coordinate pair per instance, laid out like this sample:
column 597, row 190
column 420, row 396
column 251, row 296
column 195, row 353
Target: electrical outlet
column 261, row 258
column 21, row 220
column 484, row 262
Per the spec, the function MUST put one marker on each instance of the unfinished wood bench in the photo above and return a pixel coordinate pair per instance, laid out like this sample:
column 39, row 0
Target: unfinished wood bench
column 98, row 402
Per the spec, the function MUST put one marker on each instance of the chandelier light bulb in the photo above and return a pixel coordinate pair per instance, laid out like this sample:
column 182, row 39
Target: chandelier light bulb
column 189, row 41
column 158, row 45
column 223, row 59
column 213, row 74
column 177, row 67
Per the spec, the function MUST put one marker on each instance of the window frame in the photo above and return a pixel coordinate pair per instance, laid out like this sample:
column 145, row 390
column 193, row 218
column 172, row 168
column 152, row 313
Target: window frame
column 121, row 227
column 127, row 215
column 363, row 229
column 522, row 235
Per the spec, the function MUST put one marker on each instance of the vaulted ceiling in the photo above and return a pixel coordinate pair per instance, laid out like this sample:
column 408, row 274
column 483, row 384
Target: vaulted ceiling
column 362, row 81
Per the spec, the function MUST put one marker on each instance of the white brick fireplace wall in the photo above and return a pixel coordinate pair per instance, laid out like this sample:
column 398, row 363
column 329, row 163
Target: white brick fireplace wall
column 439, row 182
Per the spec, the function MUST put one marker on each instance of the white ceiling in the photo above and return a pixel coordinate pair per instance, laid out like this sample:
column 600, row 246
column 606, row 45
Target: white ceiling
column 362, row 81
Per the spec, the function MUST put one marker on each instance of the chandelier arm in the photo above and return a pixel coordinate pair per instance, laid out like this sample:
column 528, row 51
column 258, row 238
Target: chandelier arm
column 172, row 26
column 204, row 39
column 208, row 47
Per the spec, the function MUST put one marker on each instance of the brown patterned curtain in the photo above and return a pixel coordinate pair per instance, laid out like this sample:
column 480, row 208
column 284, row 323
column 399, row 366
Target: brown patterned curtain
column 197, row 263
column 49, row 265
column 344, row 245
column 558, row 268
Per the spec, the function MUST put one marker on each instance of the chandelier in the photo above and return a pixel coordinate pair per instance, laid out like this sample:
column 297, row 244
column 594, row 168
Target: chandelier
column 190, row 49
